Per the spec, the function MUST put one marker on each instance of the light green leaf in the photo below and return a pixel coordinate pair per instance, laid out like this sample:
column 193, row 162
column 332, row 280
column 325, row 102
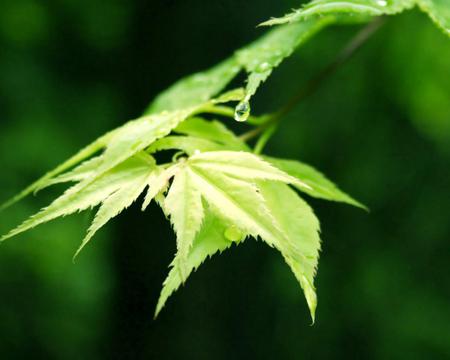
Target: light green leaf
column 237, row 201
column 258, row 59
column 439, row 11
column 44, row 181
column 158, row 183
column 274, row 213
column 211, row 130
column 139, row 134
column 319, row 185
column 85, row 195
column 195, row 89
column 136, row 135
column 81, row 172
column 242, row 165
column 120, row 144
column 297, row 220
column 265, row 54
column 232, row 95
column 188, row 144
column 115, row 203
column 209, row 241
column 317, row 8
column 125, row 141
column 184, row 205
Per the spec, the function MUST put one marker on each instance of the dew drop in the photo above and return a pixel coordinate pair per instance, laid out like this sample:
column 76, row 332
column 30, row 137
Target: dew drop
column 242, row 111
column 232, row 233
column 263, row 67
column 382, row 2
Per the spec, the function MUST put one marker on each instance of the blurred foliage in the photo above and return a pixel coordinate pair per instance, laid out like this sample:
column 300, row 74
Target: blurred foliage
column 71, row 70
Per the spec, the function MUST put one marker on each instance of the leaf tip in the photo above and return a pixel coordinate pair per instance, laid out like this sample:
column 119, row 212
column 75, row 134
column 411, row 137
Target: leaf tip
column 312, row 311
column 159, row 307
column 75, row 256
column 7, row 236
column 83, row 244
column 7, row 204
column 358, row 204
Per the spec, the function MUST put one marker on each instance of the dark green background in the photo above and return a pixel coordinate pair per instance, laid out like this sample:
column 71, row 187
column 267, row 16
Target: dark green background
column 380, row 127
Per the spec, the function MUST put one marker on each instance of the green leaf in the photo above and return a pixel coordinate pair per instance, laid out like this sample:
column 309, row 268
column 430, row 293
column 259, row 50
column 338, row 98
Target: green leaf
column 195, row 89
column 242, row 165
column 188, row 144
column 318, row 8
column 85, row 195
column 211, row 130
column 209, row 241
column 81, row 172
column 258, row 59
column 261, row 57
column 115, row 203
column 137, row 135
column 439, row 11
column 46, row 180
column 122, row 143
column 319, row 185
column 297, row 220
column 184, row 205
column 237, row 201
column 158, row 182
column 268, row 209
column 231, row 95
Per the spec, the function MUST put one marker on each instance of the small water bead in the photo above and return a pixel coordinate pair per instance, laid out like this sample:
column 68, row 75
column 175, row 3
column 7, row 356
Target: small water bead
column 242, row 111
column 381, row 2
column 200, row 78
column 263, row 67
column 233, row 234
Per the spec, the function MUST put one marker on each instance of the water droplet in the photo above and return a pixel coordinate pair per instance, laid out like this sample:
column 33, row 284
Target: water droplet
column 263, row 67
column 199, row 78
column 382, row 2
column 242, row 111
column 233, row 234
column 197, row 152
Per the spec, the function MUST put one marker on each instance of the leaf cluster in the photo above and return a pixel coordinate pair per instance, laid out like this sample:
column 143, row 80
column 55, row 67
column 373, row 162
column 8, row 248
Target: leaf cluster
column 217, row 190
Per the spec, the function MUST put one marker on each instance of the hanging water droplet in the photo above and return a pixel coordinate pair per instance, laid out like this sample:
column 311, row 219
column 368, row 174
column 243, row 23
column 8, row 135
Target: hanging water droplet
column 232, row 233
column 242, row 111
column 263, row 67
column 382, row 2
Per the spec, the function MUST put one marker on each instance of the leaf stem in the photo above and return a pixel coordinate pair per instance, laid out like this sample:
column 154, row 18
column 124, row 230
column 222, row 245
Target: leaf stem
column 269, row 126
